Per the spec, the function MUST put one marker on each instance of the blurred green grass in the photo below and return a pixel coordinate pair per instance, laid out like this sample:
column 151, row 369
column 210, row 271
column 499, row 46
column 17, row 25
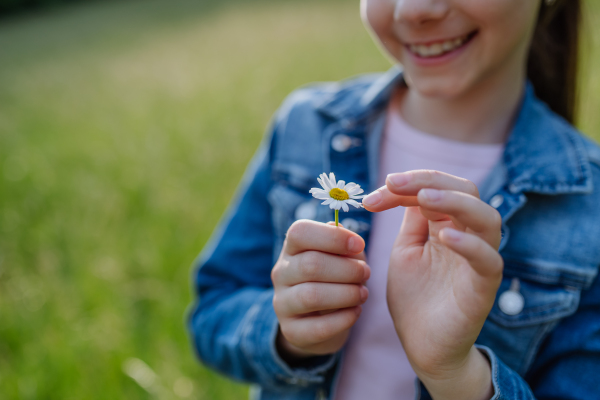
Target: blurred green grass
column 124, row 130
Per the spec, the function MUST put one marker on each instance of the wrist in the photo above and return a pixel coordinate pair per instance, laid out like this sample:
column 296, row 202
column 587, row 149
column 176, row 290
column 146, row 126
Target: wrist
column 472, row 380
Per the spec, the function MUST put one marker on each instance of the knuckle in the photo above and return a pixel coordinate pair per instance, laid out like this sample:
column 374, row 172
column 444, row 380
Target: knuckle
column 428, row 176
column 309, row 297
column 309, row 266
column 322, row 330
column 275, row 274
column 472, row 188
column 277, row 304
column 297, row 230
column 496, row 220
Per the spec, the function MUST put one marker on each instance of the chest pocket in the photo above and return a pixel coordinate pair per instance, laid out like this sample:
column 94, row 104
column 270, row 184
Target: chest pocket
column 514, row 329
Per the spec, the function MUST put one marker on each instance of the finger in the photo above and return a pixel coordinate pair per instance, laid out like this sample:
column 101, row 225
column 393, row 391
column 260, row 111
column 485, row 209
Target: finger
column 466, row 211
column 310, row 235
column 409, row 183
column 316, row 266
column 315, row 329
column 414, row 229
column 482, row 257
column 382, row 199
column 359, row 256
column 317, row 296
column 433, row 215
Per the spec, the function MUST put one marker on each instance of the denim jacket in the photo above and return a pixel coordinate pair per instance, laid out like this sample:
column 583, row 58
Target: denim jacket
column 546, row 187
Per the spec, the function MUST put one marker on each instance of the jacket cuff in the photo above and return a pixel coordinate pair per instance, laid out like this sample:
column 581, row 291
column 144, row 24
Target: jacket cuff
column 508, row 385
column 258, row 341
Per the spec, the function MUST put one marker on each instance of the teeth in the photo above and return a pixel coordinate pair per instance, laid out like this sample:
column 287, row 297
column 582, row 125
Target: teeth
column 436, row 49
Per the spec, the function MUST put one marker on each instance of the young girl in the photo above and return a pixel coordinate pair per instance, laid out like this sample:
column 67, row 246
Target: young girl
column 489, row 290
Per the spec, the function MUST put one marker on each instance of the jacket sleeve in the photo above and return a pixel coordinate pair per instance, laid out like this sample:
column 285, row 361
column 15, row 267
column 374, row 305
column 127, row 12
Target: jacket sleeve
column 567, row 365
column 233, row 325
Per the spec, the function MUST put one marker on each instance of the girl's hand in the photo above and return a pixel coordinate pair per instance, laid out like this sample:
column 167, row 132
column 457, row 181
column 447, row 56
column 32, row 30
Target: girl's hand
column 444, row 269
column 319, row 289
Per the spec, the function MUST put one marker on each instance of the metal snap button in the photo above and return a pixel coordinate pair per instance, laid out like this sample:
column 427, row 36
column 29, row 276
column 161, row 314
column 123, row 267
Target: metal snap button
column 341, row 143
column 497, row 201
column 512, row 302
column 306, row 210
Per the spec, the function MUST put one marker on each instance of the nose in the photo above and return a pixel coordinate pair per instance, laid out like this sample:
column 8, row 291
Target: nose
column 420, row 11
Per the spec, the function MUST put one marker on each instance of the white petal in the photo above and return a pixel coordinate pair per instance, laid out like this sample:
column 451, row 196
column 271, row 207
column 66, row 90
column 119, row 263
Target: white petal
column 324, row 182
column 332, row 180
column 353, row 196
column 319, row 191
column 349, row 186
column 341, row 184
column 320, row 183
column 328, row 201
column 335, row 205
column 354, row 203
column 355, row 190
column 345, row 206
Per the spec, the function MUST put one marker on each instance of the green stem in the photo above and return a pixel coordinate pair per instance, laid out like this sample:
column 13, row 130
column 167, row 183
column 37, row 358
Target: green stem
column 336, row 217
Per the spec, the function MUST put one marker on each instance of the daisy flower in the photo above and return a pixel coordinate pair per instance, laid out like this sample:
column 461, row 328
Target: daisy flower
column 337, row 194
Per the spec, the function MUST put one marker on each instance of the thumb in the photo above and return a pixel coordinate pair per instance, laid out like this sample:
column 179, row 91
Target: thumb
column 414, row 230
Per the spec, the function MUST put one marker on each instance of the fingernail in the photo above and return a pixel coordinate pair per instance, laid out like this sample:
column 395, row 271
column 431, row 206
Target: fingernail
column 358, row 310
column 398, row 180
column 354, row 244
column 372, row 199
column 453, row 234
column 364, row 293
column 431, row 194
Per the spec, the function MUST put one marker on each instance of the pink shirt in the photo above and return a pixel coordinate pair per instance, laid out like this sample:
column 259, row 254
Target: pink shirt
column 375, row 365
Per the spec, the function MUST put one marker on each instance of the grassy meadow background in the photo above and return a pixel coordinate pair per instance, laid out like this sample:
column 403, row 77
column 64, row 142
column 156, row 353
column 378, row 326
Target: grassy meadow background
column 124, row 130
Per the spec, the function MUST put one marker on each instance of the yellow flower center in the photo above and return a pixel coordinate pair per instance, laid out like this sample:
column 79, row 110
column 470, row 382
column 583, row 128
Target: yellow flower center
column 339, row 194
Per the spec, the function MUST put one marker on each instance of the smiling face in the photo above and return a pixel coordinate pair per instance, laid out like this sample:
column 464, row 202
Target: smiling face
column 448, row 47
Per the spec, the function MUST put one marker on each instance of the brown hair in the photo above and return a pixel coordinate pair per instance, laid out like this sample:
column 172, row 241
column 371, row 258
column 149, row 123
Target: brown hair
column 554, row 54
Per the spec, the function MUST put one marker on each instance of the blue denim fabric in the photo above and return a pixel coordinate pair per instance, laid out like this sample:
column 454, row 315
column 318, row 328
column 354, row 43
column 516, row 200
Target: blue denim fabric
column 546, row 188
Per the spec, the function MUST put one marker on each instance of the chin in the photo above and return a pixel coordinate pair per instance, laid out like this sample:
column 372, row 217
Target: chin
column 442, row 87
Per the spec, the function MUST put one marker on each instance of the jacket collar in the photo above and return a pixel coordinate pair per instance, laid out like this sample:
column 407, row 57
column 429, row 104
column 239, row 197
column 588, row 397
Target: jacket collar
column 363, row 99
column 543, row 154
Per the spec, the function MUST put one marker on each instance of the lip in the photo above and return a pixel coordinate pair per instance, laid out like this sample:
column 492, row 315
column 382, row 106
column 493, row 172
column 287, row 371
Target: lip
column 441, row 59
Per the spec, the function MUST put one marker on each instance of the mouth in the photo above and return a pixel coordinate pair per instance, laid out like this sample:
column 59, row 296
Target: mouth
column 441, row 48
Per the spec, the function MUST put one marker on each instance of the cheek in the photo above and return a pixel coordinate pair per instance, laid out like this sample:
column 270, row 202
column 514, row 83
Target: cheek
column 374, row 14
column 378, row 16
column 506, row 25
